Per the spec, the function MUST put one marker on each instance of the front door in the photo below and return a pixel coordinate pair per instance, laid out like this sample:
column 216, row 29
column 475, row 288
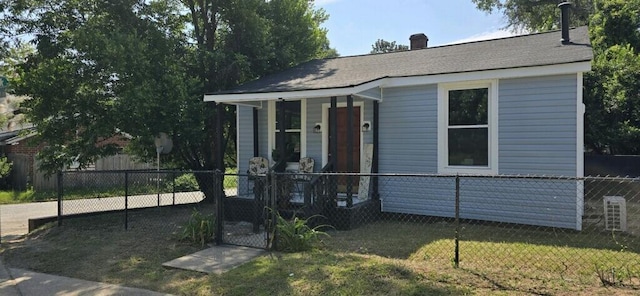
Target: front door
column 343, row 151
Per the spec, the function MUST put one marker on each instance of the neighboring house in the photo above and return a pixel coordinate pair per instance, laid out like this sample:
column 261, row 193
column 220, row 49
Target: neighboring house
column 506, row 106
column 14, row 144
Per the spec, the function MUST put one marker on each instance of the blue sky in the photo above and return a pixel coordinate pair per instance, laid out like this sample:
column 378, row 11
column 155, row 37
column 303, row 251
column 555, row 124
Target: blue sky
column 354, row 25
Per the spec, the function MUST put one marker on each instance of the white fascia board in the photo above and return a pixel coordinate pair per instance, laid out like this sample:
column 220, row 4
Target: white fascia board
column 288, row 95
column 257, row 105
column 559, row 69
column 368, row 97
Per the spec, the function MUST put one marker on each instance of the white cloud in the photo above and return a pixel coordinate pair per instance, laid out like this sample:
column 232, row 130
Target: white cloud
column 486, row 36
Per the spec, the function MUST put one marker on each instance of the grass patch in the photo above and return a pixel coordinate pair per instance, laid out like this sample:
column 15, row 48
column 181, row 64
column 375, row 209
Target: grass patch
column 12, row 197
column 380, row 258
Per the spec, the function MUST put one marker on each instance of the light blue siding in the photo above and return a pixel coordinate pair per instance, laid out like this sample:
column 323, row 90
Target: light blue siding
column 408, row 144
column 536, row 136
column 537, row 126
column 408, row 130
column 524, row 201
column 432, row 196
column 314, row 140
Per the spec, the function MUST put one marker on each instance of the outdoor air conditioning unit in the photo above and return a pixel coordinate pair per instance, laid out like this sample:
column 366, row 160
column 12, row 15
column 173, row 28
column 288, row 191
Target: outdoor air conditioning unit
column 615, row 213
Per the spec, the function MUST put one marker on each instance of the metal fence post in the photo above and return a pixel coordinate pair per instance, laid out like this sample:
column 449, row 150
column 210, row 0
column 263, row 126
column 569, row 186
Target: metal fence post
column 126, row 200
column 271, row 193
column 219, row 204
column 60, row 194
column 158, row 184
column 456, row 260
column 173, row 187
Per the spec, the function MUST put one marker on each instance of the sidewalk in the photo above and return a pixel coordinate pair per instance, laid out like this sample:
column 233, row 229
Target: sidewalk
column 19, row 282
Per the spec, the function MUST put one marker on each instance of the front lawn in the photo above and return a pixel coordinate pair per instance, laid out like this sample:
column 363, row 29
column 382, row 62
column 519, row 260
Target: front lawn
column 381, row 258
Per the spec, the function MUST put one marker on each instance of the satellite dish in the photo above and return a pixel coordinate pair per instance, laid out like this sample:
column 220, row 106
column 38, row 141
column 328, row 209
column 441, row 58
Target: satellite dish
column 163, row 143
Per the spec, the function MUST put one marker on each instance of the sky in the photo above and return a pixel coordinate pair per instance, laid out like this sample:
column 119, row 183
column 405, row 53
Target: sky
column 355, row 25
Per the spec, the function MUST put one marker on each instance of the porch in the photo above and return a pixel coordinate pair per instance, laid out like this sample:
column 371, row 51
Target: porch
column 316, row 196
column 338, row 133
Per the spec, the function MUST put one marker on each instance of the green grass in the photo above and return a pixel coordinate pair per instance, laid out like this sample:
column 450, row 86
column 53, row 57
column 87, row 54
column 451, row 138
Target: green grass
column 11, row 197
column 380, row 258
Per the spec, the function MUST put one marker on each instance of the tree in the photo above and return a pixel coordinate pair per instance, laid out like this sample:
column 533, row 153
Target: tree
column 536, row 15
column 137, row 68
column 383, row 46
column 612, row 88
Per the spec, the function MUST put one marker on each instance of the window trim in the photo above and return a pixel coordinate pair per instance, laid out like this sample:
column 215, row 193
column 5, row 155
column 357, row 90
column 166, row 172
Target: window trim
column 443, row 128
column 271, row 117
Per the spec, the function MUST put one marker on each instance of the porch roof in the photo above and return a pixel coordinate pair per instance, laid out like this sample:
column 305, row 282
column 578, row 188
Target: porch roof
column 356, row 74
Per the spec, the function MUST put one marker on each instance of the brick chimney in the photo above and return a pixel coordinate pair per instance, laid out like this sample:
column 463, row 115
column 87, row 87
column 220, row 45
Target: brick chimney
column 418, row 41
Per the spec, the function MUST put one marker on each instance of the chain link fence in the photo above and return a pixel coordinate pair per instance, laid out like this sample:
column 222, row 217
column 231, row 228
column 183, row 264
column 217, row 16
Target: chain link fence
column 577, row 229
column 158, row 200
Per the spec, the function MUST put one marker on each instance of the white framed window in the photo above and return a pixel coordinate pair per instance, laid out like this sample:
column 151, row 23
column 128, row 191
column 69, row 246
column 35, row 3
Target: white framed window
column 294, row 128
column 467, row 127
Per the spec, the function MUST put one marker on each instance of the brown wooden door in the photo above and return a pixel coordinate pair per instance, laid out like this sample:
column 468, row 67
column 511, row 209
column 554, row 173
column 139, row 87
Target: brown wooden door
column 343, row 151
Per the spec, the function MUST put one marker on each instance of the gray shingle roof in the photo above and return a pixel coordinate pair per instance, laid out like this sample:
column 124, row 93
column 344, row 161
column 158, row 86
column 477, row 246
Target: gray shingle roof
column 513, row 52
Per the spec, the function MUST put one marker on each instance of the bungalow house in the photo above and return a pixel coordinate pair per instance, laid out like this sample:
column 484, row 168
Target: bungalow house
column 509, row 106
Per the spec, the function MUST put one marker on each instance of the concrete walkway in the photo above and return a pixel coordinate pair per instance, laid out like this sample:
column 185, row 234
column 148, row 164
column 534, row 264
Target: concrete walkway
column 20, row 282
column 216, row 259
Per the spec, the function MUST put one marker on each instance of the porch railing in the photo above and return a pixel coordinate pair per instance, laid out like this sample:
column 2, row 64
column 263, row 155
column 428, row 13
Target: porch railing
column 321, row 190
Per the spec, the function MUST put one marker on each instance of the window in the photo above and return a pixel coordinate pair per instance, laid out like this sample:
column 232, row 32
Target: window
column 292, row 125
column 467, row 125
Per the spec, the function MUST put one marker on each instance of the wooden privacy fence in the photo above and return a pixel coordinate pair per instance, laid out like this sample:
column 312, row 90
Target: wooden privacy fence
column 25, row 170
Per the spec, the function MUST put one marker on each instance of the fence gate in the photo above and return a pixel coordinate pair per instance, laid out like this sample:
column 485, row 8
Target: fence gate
column 245, row 217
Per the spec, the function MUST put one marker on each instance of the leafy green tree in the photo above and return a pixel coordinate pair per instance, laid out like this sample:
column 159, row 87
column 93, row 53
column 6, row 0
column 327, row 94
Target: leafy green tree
column 612, row 89
column 10, row 59
column 383, row 46
column 136, row 68
column 536, row 15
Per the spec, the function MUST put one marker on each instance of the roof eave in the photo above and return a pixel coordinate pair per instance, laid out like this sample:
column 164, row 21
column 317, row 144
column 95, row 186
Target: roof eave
column 387, row 82
column 292, row 95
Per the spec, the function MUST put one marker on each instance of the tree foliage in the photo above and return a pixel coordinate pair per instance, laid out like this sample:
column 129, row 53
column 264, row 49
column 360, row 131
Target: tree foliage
column 383, row 46
column 612, row 88
column 134, row 68
column 536, row 15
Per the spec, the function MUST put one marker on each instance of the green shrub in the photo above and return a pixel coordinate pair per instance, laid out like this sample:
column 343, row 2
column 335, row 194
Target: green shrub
column 295, row 235
column 199, row 229
column 185, row 183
